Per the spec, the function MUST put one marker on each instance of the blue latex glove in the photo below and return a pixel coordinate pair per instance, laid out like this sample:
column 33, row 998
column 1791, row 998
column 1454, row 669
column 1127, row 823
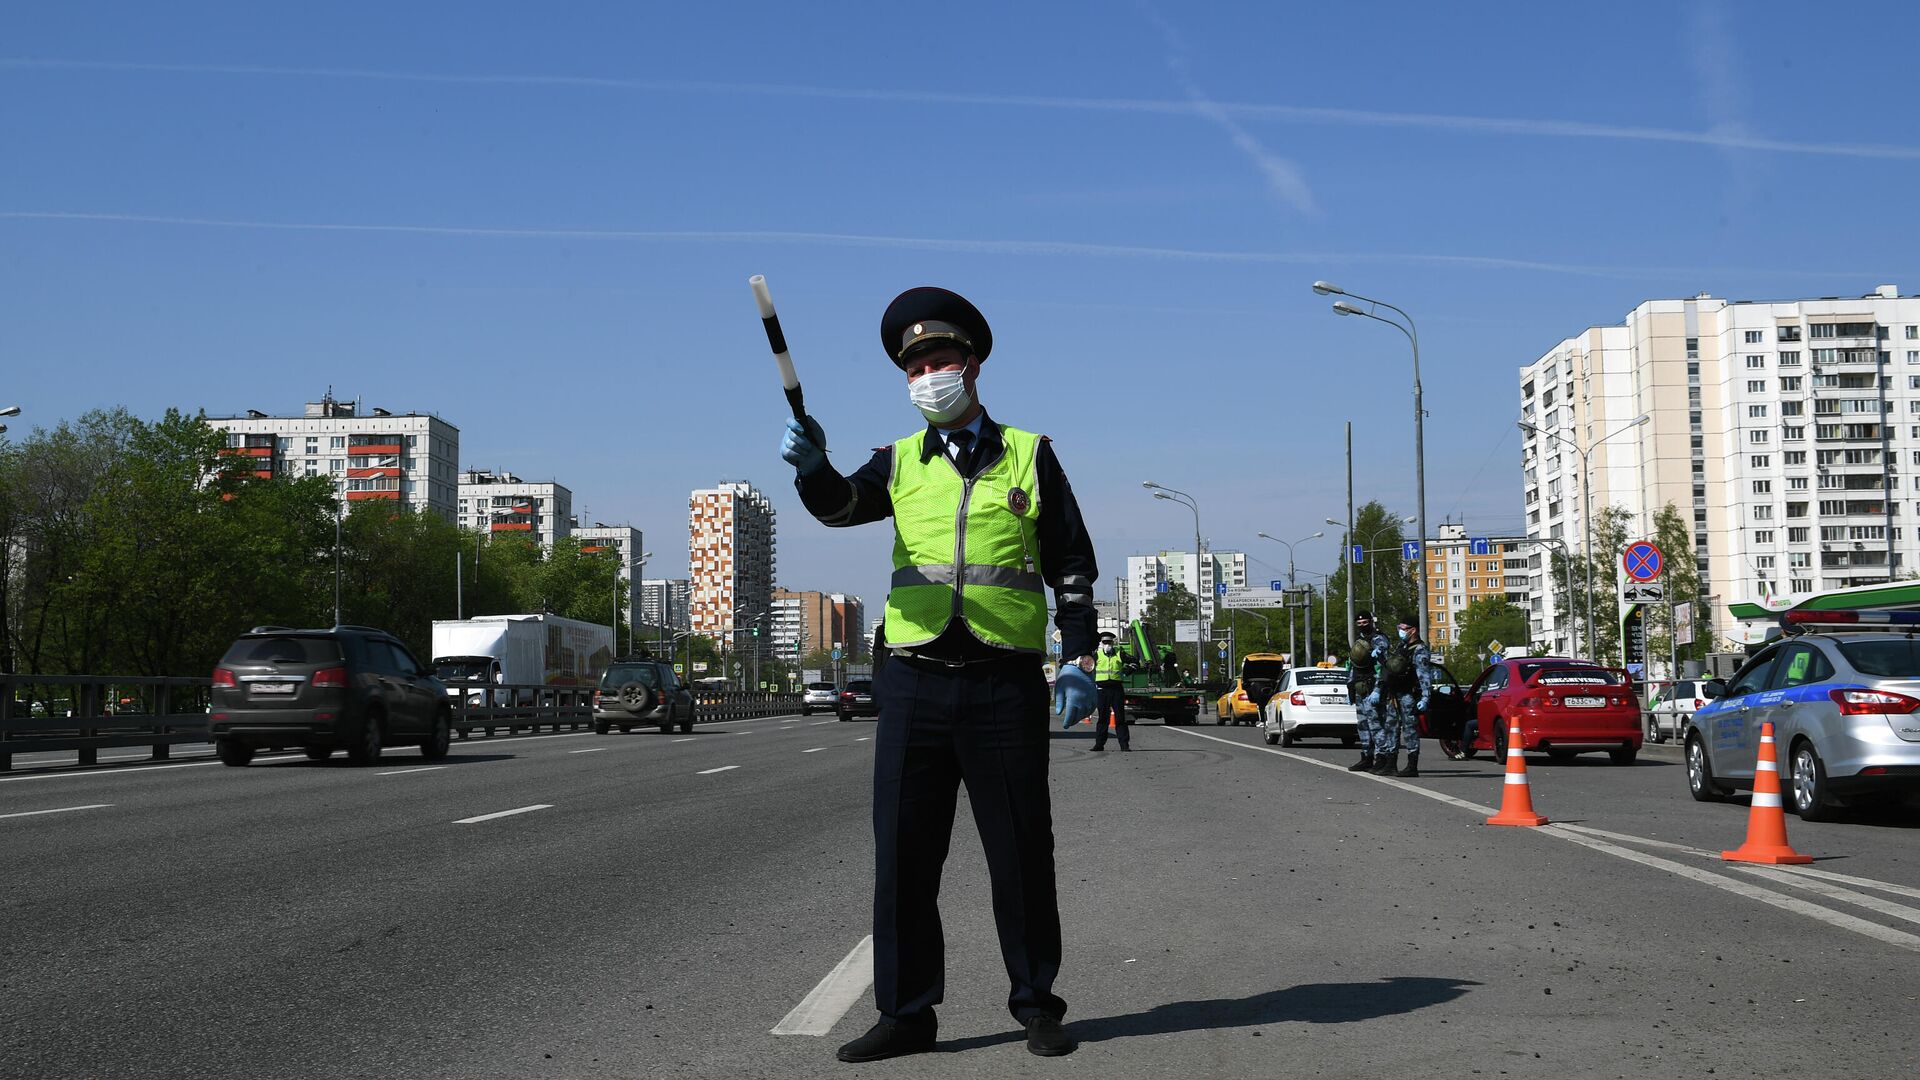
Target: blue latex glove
column 1422, row 707
column 1074, row 695
column 1373, row 698
column 804, row 446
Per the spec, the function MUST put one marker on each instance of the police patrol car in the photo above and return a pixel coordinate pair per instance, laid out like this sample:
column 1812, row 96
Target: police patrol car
column 1842, row 691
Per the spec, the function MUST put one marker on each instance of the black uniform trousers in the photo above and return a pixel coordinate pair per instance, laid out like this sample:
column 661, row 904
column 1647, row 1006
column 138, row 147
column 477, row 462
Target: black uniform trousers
column 985, row 724
column 1113, row 702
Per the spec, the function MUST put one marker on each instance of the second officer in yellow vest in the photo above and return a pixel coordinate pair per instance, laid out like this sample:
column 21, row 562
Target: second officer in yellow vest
column 1109, row 671
column 983, row 522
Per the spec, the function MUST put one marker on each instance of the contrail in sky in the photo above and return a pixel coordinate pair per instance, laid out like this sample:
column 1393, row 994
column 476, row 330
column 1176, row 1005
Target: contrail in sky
column 1305, row 114
column 927, row 243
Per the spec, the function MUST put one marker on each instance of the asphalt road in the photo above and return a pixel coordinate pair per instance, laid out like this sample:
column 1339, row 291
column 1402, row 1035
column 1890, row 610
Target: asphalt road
column 1231, row 910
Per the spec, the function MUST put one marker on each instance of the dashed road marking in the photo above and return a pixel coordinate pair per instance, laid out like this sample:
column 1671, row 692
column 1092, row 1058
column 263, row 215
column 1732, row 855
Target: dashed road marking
column 683, row 740
column 819, row 723
column 815, row 750
column 504, row 813
column 61, row 810
column 833, row 996
column 710, row 772
column 589, row 750
column 407, row 772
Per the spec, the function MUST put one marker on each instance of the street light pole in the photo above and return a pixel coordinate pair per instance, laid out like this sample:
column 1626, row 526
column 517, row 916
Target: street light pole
column 1419, row 417
column 1586, row 506
column 1290, row 580
column 1160, row 491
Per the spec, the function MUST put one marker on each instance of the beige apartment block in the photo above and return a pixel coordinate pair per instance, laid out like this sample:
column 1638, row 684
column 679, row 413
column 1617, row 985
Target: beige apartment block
column 730, row 551
column 1785, row 432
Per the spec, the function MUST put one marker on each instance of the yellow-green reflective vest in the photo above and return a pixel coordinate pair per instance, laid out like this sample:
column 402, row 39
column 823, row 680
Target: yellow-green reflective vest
column 967, row 548
column 1107, row 668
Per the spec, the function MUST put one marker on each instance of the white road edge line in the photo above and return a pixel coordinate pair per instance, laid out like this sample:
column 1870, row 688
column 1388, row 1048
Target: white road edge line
column 819, row 723
column 407, row 772
column 504, row 813
column 829, row 1001
column 710, row 772
column 1837, row 919
column 1835, row 892
column 683, row 740
column 61, row 810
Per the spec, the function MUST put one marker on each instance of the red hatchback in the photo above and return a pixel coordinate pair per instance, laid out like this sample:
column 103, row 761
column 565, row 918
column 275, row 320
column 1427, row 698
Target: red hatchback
column 1563, row 707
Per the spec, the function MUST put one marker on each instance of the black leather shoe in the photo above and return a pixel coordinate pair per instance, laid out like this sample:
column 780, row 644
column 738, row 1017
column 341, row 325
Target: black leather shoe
column 1412, row 768
column 1365, row 764
column 1125, row 749
column 1047, row 1038
column 1097, row 746
column 888, row 1039
column 1383, row 766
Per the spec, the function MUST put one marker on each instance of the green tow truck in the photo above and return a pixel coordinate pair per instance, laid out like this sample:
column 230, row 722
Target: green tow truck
column 1154, row 684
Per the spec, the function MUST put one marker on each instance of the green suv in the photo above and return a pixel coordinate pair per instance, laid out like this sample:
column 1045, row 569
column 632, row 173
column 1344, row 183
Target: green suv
column 350, row 687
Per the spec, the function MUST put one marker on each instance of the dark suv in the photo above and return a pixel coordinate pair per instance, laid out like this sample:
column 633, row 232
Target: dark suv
column 856, row 699
column 641, row 690
column 352, row 686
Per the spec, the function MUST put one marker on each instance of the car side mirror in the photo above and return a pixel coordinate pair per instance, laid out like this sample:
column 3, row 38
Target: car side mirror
column 1713, row 688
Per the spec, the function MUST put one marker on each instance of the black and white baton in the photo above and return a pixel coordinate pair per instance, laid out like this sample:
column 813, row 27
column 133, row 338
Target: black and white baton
column 776, row 340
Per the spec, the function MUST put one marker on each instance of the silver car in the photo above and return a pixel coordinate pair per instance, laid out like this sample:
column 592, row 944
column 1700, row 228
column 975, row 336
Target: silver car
column 1671, row 706
column 820, row 695
column 1845, row 709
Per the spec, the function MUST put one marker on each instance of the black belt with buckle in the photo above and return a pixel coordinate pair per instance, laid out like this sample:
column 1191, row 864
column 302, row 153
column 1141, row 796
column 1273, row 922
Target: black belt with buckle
column 973, row 663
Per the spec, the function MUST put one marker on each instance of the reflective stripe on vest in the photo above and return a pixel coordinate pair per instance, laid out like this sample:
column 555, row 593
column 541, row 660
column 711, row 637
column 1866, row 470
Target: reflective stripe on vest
column 967, row 547
column 1107, row 668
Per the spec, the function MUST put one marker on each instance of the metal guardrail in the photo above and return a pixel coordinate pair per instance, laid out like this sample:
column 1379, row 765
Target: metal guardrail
column 89, row 713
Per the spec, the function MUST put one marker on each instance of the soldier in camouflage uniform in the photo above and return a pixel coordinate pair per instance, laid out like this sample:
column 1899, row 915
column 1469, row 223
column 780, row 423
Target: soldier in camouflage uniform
column 1399, row 708
column 1362, row 678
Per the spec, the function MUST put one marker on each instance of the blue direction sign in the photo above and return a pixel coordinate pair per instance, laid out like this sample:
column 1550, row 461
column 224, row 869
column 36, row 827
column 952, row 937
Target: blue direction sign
column 1643, row 561
column 1277, row 585
column 1160, row 587
column 836, row 654
column 1479, row 545
column 1410, row 550
column 1359, row 554
column 1219, row 588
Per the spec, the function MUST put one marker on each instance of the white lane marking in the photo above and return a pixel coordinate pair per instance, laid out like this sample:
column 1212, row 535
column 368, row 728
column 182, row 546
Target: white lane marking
column 504, row 813
column 819, row 723
column 1714, row 856
column 1835, row 892
column 1582, row 837
column 683, row 740
column 589, row 750
column 61, row 810
column 407, row 772
column 815, row 750
column 710, row 772
column 863, row 738
column 829, row 1001
column 794, row 720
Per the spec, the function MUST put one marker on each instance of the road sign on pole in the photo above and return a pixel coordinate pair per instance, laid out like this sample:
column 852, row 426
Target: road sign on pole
column 1219, row 588
column 1240, row 599
column 1479, row 545
column 1359, row 554
column 1410, row 550
column 1276, row 585
column 1160, row 587
column 1643, row 561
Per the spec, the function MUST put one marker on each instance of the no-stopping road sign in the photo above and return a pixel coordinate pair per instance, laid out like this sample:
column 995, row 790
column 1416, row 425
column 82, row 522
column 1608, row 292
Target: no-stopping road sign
column 1643, row 561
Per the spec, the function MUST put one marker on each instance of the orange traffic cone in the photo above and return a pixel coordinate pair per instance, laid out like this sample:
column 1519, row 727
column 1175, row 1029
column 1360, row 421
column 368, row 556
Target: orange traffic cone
column 1516, row 804
column 1766, row 822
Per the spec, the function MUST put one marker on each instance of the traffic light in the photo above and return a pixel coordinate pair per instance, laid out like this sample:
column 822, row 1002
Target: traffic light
column 756, row 631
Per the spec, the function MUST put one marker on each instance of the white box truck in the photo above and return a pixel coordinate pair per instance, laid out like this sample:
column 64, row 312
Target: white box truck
column 522, row 650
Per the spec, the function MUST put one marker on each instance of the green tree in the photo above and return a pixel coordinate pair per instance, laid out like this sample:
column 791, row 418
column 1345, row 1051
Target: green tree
column 1609, row 541
column 1383, row 583
column 1486, row 620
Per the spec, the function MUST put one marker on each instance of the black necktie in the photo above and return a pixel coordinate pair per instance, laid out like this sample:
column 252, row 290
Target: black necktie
column 962, row 442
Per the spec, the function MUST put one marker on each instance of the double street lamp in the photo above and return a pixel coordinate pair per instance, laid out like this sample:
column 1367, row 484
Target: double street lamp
column 1161, row 491
column 1342, row 307
column 11, row 410
column 1288, row 544
column 1586, row 504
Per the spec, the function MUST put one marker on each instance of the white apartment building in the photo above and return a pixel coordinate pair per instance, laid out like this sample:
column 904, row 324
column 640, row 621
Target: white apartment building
column 371, row 454
column 730, row 552
column 1145, row 574
column 663, row 602
column 627, row 545
column 502, row 503
column 1782, row 429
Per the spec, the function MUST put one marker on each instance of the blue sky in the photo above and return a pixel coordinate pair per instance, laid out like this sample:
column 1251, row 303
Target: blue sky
column 538, row 221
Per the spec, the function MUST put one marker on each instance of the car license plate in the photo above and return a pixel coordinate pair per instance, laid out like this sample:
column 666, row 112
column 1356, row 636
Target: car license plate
column 273, row 688
column 1330, row 701
column 1586, row 702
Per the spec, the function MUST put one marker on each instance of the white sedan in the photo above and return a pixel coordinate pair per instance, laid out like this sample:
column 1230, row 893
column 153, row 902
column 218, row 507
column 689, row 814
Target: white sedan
column 1310, row 703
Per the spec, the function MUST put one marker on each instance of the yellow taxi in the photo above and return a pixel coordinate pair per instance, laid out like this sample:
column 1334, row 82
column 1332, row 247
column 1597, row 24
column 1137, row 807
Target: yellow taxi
column 1259, row 674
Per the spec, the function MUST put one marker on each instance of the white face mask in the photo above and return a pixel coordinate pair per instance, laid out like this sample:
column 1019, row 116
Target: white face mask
column 941, row 396
column 1108, row 649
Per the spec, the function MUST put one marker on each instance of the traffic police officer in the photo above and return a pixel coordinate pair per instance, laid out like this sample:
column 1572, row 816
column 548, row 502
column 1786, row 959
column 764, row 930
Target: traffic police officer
column 1362, row 678
column 1108, row 667
column 982, row 517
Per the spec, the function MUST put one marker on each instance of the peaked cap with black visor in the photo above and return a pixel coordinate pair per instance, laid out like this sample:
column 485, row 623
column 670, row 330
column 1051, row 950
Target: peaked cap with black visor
column 928, row 317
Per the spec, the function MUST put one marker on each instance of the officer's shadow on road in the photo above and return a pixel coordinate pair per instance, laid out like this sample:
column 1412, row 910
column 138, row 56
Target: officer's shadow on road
column 1307, row 1003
